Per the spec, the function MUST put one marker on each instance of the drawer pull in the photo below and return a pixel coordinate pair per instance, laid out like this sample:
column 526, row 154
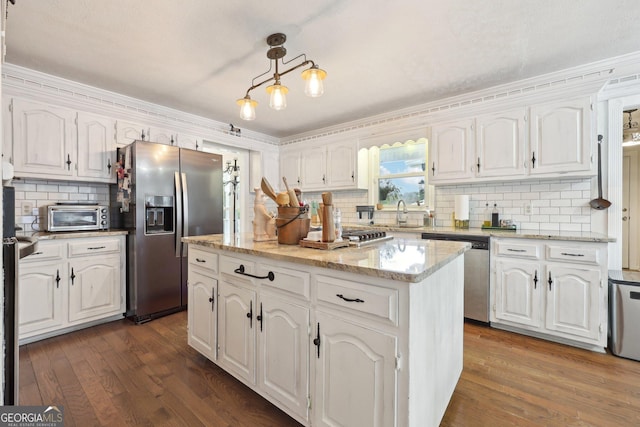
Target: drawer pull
column 516, row 250
column 200, row 260
column 570, row 254
column 37, row 253
column 349, row 299
column 96, row 248
column 240, row 270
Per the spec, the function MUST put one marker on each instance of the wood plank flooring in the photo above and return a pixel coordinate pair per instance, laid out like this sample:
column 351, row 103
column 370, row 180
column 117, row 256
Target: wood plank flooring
column 121, row 374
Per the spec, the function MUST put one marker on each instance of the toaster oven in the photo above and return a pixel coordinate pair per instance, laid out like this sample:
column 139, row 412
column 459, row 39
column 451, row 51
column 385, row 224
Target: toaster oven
column 75, row 217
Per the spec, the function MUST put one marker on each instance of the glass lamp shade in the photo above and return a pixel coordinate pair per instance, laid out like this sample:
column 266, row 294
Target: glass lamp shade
column 313, row 78
column 247, row 108
column 278, row 99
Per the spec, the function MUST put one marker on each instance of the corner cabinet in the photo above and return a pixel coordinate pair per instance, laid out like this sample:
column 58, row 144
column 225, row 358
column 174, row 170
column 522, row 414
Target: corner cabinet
column 550, row 140
column 328, row 347
column 68, row 284
column 551, row 289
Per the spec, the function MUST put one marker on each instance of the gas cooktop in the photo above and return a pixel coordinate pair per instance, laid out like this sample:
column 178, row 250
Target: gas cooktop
column 360, row 238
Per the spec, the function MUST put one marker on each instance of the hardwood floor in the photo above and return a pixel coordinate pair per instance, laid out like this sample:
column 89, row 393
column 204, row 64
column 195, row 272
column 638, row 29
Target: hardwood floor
column 121, row 374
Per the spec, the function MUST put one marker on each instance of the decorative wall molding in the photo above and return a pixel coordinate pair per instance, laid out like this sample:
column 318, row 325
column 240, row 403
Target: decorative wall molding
column 18, row 81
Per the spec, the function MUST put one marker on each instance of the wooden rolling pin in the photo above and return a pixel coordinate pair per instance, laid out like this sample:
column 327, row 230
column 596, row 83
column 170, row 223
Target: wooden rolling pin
column 293, row 199
column 328, row 227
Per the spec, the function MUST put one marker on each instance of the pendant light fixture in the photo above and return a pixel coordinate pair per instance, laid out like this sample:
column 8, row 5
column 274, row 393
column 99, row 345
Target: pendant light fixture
column 313, row 77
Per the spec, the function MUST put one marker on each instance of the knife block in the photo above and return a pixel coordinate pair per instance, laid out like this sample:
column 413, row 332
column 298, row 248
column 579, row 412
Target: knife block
column 328, row 226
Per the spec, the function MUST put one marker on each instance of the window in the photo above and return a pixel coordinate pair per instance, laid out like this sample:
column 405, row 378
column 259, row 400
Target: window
column 400, row 173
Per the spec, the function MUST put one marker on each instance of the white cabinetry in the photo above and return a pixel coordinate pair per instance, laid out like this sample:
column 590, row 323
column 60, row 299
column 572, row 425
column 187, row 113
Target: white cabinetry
column 68, row 283
column 96, row 147
column 127, row 132
column 162, row 136
column 551, row 289
column 561, row 138
column 495, row 147
column 189, row 141
column 450, row 151
column 44, row 140
column 51, row 141
column 202, row 296
column 335, row 166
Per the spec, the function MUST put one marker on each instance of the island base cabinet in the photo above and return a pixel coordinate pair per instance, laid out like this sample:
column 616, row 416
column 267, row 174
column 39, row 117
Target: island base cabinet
column 283, row 352
column 355, row 374
column 202, row 315
column 236, row 336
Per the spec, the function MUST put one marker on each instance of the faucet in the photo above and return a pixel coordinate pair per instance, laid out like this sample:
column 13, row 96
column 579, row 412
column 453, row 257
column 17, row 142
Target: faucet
column 402, row 220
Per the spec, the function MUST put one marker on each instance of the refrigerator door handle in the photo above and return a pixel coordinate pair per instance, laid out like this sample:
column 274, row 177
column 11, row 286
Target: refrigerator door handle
column 185, row 212
column 178, row 208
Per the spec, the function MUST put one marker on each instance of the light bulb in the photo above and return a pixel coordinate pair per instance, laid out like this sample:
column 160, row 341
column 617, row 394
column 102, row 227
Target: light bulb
column 278, row 99
column 313, row 77
column 247, row 108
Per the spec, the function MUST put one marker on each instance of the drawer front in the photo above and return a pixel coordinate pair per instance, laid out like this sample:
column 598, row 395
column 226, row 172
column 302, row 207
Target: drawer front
column 285, row 279
column 94, row 247
column 46, row 250
column 203, row 259
column 229, row 265
column 376, row 301
column 583, row 254
column 518, row 250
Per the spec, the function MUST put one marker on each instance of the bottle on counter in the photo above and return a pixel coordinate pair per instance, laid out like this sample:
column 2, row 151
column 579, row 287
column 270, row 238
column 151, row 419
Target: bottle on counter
column 337, row 221
column 486, row 219
column 495, row 216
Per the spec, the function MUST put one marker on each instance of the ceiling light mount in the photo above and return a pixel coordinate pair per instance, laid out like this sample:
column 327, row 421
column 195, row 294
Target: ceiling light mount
column 313, row 77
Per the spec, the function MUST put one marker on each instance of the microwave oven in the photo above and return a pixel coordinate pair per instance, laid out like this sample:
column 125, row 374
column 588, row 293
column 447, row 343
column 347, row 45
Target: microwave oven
column 74, row 217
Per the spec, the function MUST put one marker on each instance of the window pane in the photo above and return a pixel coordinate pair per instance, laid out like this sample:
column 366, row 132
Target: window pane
column 407, row 158
column 409, row 189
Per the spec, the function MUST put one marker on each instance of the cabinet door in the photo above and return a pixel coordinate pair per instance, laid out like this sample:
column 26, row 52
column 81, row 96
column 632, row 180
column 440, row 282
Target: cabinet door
column 341, row 165
column 236, row 330
column 7, row 131
column 94, row 287
column 355, row 375
column 44, row 139
column 283, row 352
column 573, row 301
column 40, row 303
column 162, row 136
column 450, row 151
column 96, row 147
column 189, row 141
column 500, row 144
column 518, row 292
column 313, row 168
column 561, row 138
column 127, row 132
column 290, row 169
column 202, row 314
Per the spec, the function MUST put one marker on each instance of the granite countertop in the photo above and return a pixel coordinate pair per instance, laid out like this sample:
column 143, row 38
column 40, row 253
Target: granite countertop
column 405, row 260
column 578, row 236
column 46, row 235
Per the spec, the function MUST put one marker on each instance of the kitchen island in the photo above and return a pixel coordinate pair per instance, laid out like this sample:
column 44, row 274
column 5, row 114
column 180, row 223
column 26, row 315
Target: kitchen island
column 352, row 336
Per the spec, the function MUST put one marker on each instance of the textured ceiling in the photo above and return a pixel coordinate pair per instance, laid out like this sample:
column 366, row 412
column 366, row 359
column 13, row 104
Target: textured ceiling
column 199, row 56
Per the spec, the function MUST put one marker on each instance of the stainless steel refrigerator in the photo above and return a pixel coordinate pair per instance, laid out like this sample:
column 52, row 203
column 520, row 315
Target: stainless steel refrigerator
column 163, row 193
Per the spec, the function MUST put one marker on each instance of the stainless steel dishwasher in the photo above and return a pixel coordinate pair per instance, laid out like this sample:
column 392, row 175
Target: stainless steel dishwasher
column 476, row 273
column 624, row 316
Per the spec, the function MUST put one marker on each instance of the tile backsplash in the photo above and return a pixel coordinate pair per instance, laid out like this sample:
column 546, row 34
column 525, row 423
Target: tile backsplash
column 37, row 192
column 558, row 205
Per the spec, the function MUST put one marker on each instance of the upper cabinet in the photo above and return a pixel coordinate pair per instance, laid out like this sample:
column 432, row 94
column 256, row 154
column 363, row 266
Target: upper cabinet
column 127, row 132
column 450, row 151
column 561, row 138
column 495, row 146
column 44, row 140
column 335, row 166
column 162, row 136
column 51, row 141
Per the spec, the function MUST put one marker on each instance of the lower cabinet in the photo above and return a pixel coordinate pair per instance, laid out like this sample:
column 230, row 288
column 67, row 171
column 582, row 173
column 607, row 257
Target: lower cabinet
column 367, row 395
column 326, row 347
column 552, row 289
column 68, row 283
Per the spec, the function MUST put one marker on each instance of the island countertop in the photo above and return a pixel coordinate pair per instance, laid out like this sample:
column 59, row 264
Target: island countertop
column 405, row 260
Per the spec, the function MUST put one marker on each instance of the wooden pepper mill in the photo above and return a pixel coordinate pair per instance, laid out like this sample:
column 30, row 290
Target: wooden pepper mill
column 328, row 227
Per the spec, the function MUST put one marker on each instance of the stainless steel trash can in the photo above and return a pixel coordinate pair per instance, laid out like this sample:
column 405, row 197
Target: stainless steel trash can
column 624, row 316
